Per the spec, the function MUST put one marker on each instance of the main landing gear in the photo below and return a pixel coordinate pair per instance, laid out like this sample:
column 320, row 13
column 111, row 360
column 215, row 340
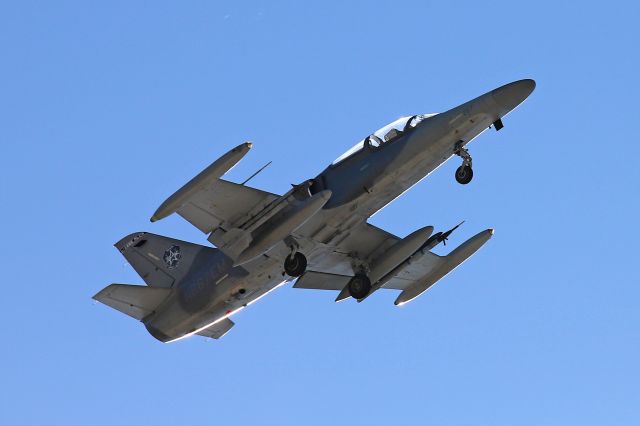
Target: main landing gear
column 295, row 264
column 464, row 173
column 359, row 286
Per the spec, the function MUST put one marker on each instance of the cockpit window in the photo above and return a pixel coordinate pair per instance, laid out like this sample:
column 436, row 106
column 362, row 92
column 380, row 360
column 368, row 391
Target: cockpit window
column 413, row 122
column 392, row 130
column 388, row 133
column 357, row 147
column 373, row 141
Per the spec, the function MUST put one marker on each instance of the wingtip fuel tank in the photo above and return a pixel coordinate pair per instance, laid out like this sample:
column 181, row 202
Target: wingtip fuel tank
column 218, row 168
column 452, row 261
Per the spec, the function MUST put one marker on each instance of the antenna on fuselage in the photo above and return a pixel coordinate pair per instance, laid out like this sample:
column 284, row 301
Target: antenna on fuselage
column 256, row 173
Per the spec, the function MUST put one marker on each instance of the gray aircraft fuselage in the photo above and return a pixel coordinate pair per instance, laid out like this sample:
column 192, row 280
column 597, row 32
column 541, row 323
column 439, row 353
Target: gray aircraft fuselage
column 360, row 185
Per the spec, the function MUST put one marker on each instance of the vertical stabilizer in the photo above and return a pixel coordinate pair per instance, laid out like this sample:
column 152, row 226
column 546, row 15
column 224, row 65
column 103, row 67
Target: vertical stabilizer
column 163, row 261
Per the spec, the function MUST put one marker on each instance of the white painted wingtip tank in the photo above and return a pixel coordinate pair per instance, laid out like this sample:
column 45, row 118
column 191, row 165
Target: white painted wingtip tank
column 451, row 261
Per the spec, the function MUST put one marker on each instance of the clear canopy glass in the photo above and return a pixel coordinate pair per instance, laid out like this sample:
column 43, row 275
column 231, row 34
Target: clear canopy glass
column 392, row 130
column 357, row 147
column 385, row 134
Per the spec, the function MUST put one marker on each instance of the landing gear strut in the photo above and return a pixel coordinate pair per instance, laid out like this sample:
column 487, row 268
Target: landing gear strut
column 295, row 264
column 464, row 173
column 359, row 286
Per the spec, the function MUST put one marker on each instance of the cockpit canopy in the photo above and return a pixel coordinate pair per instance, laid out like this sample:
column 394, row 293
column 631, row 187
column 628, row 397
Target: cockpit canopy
column 384, row 135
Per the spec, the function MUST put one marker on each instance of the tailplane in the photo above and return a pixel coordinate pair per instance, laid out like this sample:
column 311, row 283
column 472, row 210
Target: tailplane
column 134, row 300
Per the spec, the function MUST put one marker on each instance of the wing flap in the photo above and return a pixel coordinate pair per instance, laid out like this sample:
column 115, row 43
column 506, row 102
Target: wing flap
column 199, row 217
column 322, row 281
column 371, row 235
column 333, row 252
column 223, row 202
column 415, row 270
column 367, row 241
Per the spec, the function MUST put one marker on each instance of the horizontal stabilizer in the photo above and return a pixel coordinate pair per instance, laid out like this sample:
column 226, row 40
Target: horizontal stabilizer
column 322, row 281
column 134, row 300
column 218, row 329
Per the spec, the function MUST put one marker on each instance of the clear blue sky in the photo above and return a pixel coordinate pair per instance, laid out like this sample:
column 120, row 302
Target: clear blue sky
column 107, row 108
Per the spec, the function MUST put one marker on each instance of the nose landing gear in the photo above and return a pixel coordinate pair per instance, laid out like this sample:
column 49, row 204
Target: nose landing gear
column 464, row 173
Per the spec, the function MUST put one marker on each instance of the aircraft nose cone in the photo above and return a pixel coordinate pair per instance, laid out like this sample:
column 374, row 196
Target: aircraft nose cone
column 511, row 95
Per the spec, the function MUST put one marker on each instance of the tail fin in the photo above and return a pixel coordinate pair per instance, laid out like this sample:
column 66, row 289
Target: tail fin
column 163, row 261
column 134, row 300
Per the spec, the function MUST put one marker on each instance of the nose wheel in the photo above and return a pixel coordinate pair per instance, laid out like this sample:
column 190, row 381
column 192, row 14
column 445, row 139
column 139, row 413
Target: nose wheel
column 464, row 173
column 295, row 264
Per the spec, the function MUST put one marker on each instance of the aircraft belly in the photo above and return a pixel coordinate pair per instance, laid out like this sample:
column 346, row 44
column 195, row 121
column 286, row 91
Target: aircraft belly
column 389, row 189
column 227, row 305
column 332, row 226
column 175, row 321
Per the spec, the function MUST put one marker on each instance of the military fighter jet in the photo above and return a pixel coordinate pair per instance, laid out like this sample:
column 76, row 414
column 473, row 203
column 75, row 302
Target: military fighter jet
column 317, row 232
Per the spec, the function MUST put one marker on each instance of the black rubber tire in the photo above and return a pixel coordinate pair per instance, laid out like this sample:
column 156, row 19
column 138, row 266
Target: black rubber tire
column 464, row 174
column 295, row 265
column 359, row 286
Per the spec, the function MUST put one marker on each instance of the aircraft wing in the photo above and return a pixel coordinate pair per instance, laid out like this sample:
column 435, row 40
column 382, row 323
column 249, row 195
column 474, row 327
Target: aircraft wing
column 222, row 202
column 415, row 271
column 330, row 259
column 367, row 241
column 413, row 276
column 322, row 281
column 410, row 274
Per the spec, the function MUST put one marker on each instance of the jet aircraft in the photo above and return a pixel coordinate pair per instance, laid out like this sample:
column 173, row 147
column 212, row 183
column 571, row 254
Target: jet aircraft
column 316, row 233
